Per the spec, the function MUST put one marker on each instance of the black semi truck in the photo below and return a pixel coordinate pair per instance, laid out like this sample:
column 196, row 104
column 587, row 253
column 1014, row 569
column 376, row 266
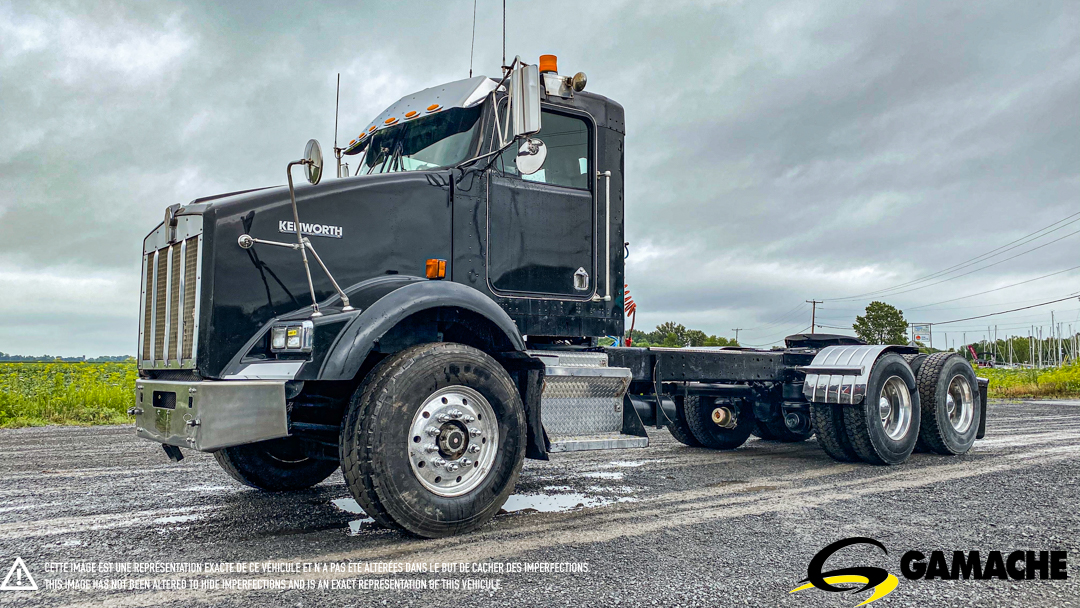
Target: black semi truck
column 430, row 319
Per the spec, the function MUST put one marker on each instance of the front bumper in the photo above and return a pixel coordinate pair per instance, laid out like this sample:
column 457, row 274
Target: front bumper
column 211, row 414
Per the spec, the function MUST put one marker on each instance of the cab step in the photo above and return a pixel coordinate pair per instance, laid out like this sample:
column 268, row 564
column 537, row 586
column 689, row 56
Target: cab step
column 582, row 403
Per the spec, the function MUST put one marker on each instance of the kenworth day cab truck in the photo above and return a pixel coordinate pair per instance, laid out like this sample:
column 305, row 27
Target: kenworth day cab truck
column 432, row 319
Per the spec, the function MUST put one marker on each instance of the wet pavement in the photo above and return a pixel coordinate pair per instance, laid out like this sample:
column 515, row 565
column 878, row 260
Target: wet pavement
column 101, row 517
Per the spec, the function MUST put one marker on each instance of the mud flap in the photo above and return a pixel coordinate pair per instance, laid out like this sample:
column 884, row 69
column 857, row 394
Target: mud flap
column 984, row 388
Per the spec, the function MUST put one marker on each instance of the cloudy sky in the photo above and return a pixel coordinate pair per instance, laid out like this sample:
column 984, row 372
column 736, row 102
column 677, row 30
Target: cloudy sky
column 776, row 151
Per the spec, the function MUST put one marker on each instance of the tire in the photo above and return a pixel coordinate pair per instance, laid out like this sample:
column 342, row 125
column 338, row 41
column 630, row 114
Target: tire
column 951, row 407
column 828, row 421
column 447, row 388
column 776, row 430
column 916, row 362
column 763, row 432
column 679, row 429
column 886, row 441
column 708, row 433
column 277, row 465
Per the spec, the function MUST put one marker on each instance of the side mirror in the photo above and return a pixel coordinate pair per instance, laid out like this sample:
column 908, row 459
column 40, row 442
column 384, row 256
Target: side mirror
column 313, row 161
column 531, row 156
column 525, row 100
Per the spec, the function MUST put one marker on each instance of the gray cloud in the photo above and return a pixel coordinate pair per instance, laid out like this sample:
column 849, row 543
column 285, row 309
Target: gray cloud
column 775, row 151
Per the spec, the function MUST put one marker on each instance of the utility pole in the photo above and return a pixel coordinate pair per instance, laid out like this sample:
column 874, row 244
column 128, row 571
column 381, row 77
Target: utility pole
column 813, row 314
column 736, row 330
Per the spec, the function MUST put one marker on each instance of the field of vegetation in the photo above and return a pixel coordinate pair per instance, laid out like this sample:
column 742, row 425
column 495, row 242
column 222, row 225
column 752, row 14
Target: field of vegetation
column 37, row 394
column 1018, row 383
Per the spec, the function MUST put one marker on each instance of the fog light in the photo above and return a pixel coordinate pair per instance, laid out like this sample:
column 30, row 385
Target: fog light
column 292, row 337
column 277, row 338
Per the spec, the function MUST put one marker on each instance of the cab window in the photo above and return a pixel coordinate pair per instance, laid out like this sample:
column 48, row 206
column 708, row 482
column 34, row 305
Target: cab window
column 567, row 164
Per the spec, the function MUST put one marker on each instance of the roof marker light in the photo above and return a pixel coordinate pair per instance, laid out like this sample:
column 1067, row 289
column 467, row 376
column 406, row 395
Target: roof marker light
column 411, row 114
column 434, row 107
column 390, row 121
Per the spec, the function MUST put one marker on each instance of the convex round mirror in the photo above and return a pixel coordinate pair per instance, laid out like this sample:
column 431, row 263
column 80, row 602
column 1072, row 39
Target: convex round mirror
column 313, row 158
column 531, row 156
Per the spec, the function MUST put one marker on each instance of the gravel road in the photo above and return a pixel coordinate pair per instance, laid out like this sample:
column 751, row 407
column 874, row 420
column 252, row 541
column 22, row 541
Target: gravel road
column 666, row 525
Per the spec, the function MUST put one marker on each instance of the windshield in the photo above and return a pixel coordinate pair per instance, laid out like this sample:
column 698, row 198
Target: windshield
column 439, row 140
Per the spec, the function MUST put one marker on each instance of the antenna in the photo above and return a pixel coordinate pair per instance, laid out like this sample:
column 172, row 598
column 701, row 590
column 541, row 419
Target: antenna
column 337, row 150
column 504, row 33
column 473, row 44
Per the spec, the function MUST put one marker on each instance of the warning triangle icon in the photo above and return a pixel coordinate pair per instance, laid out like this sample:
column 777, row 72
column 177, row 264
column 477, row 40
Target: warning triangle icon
column 18, row 578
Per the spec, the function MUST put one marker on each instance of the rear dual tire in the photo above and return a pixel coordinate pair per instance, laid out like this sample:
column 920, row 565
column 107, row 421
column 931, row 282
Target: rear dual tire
column 951, row 407
column 699, row 420
column 883, row 428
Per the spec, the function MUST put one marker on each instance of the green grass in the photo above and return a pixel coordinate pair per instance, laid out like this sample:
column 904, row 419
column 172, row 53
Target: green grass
column 37, row 394
column 1018, row 383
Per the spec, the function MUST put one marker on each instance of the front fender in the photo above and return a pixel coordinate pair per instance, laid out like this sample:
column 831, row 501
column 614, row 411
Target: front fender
column 357, row 339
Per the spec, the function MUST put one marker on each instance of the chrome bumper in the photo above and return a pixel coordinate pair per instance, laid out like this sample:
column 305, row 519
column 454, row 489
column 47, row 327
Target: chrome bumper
column 211, row 414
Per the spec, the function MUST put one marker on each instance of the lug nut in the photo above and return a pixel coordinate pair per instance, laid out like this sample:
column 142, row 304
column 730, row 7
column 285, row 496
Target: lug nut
column 474, row 432
column 438, row 462
column 474, row 448
column 456, row 414
column 431, row 448
column 431, row 431
column 465, row 462
column 468, row 419
column 453, row 466
column 443, row 418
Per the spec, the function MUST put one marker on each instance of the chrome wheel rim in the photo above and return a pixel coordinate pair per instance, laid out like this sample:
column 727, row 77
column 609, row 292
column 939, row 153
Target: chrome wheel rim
column 894, row 408
column 960, row 404
column 453, row 440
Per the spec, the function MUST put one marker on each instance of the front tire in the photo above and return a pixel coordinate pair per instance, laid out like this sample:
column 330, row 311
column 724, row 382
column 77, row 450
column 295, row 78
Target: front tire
column 884, row 427
column 951, row 407
column 435, row 440
column 278, row 465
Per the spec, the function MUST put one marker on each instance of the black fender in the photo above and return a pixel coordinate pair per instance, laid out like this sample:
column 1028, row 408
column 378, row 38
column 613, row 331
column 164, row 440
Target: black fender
column 359, row 337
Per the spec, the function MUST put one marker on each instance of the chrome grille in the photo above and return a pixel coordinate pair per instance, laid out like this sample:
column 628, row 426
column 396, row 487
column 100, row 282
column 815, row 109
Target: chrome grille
column 169, row 307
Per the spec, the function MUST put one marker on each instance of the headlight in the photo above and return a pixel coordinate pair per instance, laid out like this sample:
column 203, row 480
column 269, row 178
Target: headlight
column 292, row 337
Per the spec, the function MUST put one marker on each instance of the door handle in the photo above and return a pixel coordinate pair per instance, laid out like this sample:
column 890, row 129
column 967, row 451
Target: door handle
column 607, row 240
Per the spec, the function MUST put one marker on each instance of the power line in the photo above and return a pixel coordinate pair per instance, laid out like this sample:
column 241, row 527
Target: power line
column 895, row 293
column 992, row 253
column 775, row 341
column 995, row 289
column 1008, row 311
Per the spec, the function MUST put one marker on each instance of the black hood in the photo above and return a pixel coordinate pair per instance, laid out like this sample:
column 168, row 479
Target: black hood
column 362, row 227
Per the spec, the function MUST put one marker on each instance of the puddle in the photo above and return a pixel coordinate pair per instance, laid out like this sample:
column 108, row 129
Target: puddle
column 349, row 505
column 627, row 463
column 179, row 519
column 557, row 503
column 603, row 475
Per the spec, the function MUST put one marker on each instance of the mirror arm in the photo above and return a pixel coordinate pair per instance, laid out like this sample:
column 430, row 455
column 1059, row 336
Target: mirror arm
column 299, row 237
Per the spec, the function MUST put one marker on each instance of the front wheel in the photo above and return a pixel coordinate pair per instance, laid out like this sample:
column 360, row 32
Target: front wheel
column 275, row 466
column 434, row 440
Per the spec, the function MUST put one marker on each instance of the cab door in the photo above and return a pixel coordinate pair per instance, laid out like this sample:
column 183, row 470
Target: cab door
column 542, row 227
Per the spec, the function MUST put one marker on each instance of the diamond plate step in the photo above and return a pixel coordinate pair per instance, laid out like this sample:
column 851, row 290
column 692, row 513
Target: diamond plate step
column 563, row 358
column 582, row 407
column 598, row 442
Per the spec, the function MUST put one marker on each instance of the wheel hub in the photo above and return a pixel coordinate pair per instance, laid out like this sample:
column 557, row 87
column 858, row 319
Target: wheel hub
column 894, row 408
column 960, row 403
column 453, row 441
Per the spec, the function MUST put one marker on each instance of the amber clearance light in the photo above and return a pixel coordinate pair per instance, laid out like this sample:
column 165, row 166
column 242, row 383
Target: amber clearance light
column 436, row 269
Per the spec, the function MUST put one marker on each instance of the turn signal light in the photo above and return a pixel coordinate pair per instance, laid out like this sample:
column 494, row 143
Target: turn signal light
column 436, row 269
